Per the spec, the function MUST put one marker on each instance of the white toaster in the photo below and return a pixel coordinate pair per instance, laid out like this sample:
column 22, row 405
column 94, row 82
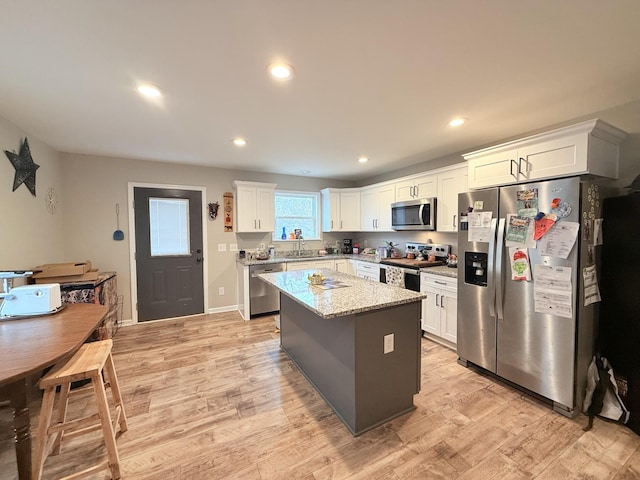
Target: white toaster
column 31, row 300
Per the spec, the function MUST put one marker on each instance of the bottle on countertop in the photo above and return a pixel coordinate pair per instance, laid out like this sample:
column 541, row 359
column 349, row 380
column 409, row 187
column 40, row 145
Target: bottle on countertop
column 284, row 234
column 356, row 249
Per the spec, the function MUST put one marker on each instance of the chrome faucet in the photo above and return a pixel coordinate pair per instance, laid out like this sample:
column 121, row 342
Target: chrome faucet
column 300, row 244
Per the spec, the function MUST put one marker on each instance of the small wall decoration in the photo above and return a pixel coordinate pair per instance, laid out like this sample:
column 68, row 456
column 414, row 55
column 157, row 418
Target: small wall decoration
column 51, row 200
column 25, row 167
column 213, row 210
column 228, row 211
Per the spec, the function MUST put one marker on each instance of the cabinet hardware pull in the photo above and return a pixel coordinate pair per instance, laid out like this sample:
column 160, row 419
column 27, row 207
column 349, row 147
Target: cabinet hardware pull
column 442, row 301
column 455, row 225
column 511, row 162
column 439, row 282
column 437, row 295
column 520, row 160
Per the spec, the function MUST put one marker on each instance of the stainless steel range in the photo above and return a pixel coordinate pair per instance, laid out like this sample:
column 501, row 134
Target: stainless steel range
column 425, row 255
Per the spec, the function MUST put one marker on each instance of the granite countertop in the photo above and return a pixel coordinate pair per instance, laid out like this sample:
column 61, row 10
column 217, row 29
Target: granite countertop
column 442, row 270
column 278, row 259
column 439, row 270
column 351, row 295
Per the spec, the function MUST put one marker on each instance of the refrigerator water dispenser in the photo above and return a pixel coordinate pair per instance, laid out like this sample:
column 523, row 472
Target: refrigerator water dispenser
column 475, row 268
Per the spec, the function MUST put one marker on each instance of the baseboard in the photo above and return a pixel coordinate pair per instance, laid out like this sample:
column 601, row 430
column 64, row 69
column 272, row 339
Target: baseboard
column 227, row 308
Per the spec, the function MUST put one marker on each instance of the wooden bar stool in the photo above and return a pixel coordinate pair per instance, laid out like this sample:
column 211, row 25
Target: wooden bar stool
column 89, row 362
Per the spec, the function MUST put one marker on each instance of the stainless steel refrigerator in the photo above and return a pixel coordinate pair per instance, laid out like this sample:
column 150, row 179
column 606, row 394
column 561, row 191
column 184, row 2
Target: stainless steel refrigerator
column 505, row 323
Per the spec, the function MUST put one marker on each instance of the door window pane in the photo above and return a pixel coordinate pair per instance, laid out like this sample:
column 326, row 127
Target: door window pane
column 169, row 226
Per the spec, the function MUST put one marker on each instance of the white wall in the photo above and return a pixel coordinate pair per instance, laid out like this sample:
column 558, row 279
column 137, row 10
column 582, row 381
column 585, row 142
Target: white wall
column 29, row 234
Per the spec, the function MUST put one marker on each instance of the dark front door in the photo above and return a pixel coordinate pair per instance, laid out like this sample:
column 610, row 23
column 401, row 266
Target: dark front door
column 168, row 226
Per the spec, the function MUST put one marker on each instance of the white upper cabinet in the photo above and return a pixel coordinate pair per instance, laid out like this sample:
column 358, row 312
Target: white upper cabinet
column 450, row 184
column 424, row 186
column 590, row 147
column 375, row 206
column 254, row 206
column 340, row 209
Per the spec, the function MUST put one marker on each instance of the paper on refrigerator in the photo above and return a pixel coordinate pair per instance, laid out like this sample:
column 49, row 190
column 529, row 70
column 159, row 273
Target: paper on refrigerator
column 523, row 242
column 552, row 291
column 559, row 241
column 591, row 290
column 519, row 260
column 479, row 226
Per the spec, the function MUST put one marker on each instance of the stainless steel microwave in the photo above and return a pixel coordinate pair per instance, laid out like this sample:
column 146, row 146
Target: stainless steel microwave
column 414, row 214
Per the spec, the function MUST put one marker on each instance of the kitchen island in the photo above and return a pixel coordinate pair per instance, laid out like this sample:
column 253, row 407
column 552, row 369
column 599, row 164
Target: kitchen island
column 357, row 342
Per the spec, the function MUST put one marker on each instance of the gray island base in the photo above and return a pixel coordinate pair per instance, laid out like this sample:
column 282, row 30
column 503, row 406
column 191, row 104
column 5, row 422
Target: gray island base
column 341, row 349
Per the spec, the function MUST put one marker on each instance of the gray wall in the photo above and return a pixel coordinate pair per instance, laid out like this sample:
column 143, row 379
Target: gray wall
column 29, row 234
column 94, row 185
column 90, row 186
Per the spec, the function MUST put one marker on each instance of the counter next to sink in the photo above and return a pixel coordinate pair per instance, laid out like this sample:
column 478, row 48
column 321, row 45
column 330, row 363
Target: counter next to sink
column 357, row 342
column 438, row 270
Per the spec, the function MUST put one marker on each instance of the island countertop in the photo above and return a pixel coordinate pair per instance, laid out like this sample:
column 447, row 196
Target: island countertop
column 341, row 294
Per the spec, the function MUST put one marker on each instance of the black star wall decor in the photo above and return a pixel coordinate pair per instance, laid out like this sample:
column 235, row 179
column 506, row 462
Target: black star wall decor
column 25, row 167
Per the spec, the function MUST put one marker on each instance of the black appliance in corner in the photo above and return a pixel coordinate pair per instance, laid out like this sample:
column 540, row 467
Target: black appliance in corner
column 619, row 323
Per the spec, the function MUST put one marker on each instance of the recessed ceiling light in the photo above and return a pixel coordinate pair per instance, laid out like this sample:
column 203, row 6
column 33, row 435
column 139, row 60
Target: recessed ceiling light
column 240, row 142
column 149, row 90
column 281, row 71
column 363, row 160
column 305, row 172
column 456, row 122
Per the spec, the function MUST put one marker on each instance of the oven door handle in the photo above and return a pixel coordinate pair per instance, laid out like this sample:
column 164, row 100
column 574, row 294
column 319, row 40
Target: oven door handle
column 410, row 272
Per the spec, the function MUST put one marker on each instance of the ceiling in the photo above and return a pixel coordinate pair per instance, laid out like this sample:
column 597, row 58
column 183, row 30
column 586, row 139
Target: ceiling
column 378, row 78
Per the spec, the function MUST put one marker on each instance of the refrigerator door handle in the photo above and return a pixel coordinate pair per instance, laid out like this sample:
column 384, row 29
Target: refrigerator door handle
column 498, row 273
column 492, row 282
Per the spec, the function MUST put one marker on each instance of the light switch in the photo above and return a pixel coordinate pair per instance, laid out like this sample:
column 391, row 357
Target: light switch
column 388, row 343
column 233, row 247
column 222, row 247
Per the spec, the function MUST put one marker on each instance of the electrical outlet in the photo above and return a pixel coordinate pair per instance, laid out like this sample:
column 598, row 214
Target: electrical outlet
column 262, row 246
column 222, row 247
column 233, row 247
column 388, row 343
column 221, row 291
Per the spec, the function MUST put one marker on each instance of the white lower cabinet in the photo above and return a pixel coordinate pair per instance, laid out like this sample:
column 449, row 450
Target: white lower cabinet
column 311, row 265
column 345, row 266
column 440, row 309
column 369, row 271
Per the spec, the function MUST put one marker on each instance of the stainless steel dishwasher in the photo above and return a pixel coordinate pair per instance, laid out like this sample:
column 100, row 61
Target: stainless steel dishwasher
column 263, row 297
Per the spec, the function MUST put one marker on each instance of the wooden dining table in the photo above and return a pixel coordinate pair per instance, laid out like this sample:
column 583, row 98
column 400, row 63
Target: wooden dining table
column 30, row 345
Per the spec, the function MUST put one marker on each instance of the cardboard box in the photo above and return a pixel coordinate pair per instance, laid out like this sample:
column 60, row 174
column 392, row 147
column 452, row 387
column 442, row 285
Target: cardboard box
column 91, row 275
column 61, row 269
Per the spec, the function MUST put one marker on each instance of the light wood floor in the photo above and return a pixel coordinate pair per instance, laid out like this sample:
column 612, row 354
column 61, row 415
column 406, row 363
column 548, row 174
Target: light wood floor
column 213, row 397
